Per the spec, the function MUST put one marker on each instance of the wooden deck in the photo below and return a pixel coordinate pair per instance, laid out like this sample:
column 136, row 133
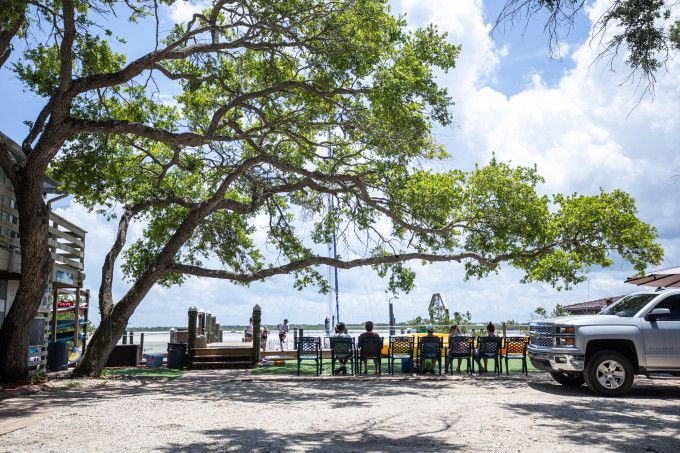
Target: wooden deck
column 224, row 355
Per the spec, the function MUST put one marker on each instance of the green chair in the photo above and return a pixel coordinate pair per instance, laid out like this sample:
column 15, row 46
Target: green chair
column 309, row 348
column 342, row 350
column 399, row 348
column 430, row 348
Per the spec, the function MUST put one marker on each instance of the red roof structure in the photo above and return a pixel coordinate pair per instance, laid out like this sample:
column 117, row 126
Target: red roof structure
column 592, row 306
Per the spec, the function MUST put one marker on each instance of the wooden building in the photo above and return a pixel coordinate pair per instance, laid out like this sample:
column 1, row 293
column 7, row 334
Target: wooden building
column 67, row 245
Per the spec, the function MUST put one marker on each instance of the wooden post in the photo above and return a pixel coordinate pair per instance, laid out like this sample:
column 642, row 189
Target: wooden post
column 54, row 316
column 504, row 330
column 141, row 342
column 76, row 319
column 218, row 332
column 125, row 336
column 87, row 310
column 191, row 335
column 201, row 322
column 208, row 327
column 257, row 335
column 132, row 337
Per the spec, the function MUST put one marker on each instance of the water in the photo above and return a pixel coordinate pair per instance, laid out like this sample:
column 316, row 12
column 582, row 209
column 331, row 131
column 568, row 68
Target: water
column 157, row 342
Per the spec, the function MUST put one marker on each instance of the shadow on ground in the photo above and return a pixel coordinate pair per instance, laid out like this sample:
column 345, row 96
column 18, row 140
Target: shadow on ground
column 361, row 439
column 633, row 423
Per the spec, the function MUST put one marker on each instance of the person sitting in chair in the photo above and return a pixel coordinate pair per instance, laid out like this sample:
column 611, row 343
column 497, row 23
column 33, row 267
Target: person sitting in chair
column 454, row 331
column 369, row 333
column 490, row 332
column 341, row 332
column 428, row 365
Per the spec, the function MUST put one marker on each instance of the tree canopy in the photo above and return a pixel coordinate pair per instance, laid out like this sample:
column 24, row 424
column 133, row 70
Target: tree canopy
column 275, row 108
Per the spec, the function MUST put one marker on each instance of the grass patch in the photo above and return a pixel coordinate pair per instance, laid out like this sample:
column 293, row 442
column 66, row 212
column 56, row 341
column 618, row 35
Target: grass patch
column 308, row 368
column 143, row 372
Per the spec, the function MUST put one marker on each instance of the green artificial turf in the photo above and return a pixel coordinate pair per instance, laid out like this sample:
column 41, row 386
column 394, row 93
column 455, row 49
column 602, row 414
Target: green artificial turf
column 143, row 372
column 308, row 368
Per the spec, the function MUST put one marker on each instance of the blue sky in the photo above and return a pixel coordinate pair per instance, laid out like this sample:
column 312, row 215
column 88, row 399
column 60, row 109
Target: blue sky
column 573, row 120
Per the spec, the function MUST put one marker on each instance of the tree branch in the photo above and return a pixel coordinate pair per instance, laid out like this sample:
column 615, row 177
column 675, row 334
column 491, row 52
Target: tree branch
column 66, row 51
column 7, row 160
column 322, row 260
column 84, row 126
column 105, row 288
column 9, row 30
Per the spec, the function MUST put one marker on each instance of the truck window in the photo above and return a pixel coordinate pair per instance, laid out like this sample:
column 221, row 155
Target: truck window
column 629, row 306
column 673, row 304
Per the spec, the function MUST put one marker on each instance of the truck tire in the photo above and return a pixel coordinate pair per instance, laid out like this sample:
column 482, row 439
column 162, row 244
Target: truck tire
column 609, row 373
column 569, row 379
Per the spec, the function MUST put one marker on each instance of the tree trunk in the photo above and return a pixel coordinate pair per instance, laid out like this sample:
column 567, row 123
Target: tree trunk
column 36, row 265
column 110, row 330
column 112, row 327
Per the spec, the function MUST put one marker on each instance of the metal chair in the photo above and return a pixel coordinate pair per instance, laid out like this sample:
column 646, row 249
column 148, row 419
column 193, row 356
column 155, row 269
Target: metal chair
column 309, row 348
column 430, row 348
column 400, row 348
column 461, row 348
column 342, row 349
column 515, row 348
column 370, row 348
column 489, row 348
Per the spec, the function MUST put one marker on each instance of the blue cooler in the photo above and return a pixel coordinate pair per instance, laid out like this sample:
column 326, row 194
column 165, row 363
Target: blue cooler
column 406, row 365
column 154, row 360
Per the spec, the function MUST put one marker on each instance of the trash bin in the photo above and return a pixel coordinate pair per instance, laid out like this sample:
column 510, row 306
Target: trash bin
column 154, row 360
column 176, row 355
column 406, row 365
column 57, row 356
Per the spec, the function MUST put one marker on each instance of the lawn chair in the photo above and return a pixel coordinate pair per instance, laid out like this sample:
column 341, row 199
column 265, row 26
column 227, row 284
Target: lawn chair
column 400, row 348
column 462, row 348
column 342, row 348
column 430, row 348
column 489, row 348
column 309, row 348
column 516, row 348
column 371, row 349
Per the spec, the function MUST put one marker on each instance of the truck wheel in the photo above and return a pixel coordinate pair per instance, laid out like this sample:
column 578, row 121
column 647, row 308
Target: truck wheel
column 609, row 373
column 569, row 379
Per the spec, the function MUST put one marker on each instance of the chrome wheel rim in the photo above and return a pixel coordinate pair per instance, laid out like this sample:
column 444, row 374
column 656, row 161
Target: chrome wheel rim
column 610, row 374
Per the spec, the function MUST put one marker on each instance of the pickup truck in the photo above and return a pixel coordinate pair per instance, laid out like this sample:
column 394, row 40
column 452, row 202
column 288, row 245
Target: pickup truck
column 639, row 334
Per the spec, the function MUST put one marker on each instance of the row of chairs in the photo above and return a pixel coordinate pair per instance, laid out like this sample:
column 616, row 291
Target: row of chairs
column 427, row 349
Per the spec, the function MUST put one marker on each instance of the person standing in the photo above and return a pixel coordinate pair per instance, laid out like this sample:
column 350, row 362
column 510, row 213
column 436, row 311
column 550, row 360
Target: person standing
column 283, row 332
column 265, row 334
column 249, row 331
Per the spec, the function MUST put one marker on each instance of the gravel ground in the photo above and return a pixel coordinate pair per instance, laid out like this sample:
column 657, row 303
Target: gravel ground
column 227, row 411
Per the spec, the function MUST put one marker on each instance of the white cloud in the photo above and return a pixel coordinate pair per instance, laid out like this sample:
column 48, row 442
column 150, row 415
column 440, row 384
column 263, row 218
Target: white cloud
column 184, row 10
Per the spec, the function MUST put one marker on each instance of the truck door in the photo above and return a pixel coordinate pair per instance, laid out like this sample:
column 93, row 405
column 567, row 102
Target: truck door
column 662, row 337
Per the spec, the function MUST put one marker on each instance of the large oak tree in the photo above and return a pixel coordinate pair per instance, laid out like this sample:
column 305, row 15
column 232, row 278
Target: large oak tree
column 261, row 91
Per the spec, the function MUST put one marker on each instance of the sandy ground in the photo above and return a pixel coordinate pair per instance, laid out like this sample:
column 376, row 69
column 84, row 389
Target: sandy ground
column 228, row 411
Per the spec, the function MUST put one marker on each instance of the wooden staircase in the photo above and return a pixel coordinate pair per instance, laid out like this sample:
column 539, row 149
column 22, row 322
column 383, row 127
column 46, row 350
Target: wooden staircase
column 223, row 357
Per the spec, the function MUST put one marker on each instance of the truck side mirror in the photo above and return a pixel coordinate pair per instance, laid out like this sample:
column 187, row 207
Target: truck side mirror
column 658, row 313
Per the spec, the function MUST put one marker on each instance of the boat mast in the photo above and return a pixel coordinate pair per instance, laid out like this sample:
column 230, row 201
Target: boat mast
column 333, row 253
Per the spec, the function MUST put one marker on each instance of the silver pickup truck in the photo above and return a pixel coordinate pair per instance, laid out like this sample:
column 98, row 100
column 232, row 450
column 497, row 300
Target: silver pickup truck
column 639, row 334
